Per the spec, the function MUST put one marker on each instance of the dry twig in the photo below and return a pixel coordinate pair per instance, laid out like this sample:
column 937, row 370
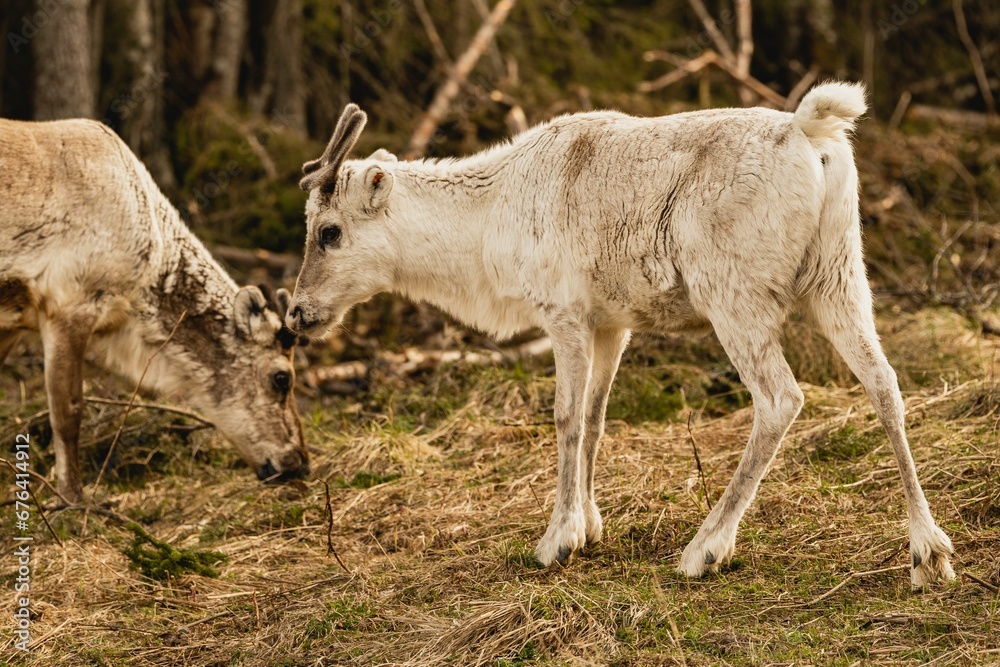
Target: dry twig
column 329, row 529
column 697, row 461
column 985, row 584
column 38, row 505
column 190, row 414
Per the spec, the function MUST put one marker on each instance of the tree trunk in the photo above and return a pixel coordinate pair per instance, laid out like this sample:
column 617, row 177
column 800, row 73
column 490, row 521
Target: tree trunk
column 283, row 79
column 63, row 62
column 141, row 110
column 97, row 11
column 227, row 49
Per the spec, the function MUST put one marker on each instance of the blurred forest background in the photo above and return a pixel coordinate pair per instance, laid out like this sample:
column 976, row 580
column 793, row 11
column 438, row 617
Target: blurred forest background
column 433, row 449
column 224, row 99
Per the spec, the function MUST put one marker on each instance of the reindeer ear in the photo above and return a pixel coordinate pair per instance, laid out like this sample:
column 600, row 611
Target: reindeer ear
column 282, row 298
column 382, row 155
column 311, row 166
column 248, row 311
column 378, row 184
column 315, row 174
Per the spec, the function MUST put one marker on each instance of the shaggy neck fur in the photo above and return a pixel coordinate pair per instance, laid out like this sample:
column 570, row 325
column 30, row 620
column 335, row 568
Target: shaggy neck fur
column 185, row 280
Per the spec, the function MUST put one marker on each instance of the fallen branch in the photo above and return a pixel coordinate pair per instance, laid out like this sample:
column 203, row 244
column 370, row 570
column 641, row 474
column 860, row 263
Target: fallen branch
column 685, row 69
column 966, row 120
column 432, row 33
column 985, row 584
column 439, row 106
column 694, row 65
column 712, row 29
column 754, row 84
column 273, row 261
column 483, row 8
column 851, row 577
column 338, row 379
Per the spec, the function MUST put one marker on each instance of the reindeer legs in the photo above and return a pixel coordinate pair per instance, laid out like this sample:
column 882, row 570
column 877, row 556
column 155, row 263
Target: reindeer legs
column 573, row 346
column 64, row 340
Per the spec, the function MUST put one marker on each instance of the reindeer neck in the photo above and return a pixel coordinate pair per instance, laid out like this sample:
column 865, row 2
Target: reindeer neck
column 444, row 212
column 189, row 279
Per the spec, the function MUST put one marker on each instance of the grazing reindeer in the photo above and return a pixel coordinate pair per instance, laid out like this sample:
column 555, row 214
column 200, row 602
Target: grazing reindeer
column 596, row 224
column 92, row 255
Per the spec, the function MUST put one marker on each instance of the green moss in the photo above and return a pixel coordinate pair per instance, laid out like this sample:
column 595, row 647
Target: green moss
column 158, row 560
column 661, row 392
column 844, row 444
column 525, row 656
column 364, row 479
column 350, row 614
column 239, row 177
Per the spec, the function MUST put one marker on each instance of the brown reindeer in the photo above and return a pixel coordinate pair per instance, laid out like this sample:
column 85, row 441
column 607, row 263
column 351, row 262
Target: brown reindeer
column 95, row 259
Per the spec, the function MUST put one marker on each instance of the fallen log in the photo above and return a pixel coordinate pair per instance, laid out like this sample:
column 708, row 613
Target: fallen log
column 968, row 120
column 349, row 377
column 248, row 258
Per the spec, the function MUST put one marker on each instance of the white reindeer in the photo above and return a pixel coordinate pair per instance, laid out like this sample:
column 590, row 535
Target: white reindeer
column 92, row 255
column 596, row 224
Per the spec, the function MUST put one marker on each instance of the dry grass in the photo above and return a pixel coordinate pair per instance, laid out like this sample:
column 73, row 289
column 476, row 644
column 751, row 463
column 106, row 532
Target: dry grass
column 440, row 490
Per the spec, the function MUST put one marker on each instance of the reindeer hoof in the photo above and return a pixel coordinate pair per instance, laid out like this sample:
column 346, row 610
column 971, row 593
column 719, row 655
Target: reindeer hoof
column 930, row 549
column 563, row 537
column 564, row 556
column 705, row 555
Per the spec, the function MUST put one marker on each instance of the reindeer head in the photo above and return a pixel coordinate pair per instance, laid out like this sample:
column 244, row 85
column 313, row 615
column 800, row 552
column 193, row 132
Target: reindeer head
column 250, row 395
column 348, row 247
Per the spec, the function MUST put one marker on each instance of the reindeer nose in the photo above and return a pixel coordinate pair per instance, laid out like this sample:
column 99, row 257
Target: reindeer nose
column 298, row 321
column 293, row 465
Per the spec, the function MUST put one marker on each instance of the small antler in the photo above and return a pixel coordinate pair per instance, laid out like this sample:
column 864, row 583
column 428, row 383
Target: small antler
column 345, row 135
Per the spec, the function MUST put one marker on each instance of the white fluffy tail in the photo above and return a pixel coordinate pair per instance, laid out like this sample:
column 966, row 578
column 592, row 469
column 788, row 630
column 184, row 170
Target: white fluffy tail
column 828, row 110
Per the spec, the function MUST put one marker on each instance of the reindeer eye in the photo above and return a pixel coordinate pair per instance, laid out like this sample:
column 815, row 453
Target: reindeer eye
column 329, row 236
column 282, row 381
